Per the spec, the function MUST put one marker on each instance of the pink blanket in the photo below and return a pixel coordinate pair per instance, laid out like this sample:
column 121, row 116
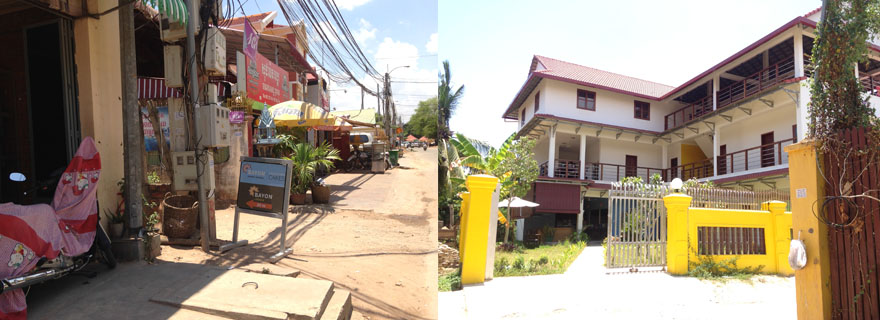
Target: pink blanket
column 67, row 227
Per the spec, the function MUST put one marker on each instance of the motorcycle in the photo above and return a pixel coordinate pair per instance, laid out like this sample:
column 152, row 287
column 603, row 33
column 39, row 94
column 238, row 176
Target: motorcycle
column 358, row 160
column 52, row 241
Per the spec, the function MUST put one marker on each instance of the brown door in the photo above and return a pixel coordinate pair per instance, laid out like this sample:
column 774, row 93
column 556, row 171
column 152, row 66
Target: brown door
column 673, row 163
column 767, row 157
column 632, row 163
column 722, row 159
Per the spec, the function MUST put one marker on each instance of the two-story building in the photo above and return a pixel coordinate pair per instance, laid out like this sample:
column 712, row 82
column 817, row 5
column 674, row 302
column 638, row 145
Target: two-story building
column 727, row 125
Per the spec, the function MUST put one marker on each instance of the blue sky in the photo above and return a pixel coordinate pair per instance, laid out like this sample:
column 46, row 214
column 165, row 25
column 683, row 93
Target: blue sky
column 490, row 45
column 391, row 33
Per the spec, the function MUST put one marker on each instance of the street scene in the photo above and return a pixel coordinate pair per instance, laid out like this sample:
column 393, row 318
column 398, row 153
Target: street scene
column 208, row 159
column 640, row 160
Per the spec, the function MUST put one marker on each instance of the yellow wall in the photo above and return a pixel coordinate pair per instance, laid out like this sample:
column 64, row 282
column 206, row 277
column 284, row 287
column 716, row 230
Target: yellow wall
column 100, row 93
column 690, row 154
column 812, row 283
column 682, row 242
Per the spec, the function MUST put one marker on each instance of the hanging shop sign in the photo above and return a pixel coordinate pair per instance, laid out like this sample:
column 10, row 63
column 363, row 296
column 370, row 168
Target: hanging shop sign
column 266, row 81
column 236, row 117
column 250, row 41
column 150, row 141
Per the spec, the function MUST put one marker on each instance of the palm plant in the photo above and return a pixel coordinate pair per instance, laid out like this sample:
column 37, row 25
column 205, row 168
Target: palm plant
column 306, row 160
column 447, row 99
column 324, row 156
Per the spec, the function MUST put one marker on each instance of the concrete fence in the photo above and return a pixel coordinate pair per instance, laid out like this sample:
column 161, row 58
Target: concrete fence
column 755, row 237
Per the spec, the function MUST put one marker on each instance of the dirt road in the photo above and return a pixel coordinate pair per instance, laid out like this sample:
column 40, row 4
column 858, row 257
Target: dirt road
column 377, row 239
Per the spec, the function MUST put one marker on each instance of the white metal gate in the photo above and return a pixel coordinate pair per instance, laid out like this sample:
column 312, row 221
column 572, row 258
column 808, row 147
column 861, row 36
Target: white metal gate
column 636, row 226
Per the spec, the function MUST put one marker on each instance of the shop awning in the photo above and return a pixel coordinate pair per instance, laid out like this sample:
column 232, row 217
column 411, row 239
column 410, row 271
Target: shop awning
column 154, row 88
column 304, row 114
column 175, row 10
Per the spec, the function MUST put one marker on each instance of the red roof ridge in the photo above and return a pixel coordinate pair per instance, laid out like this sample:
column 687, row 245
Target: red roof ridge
column 813, row 11
column 609, row 72
column 240, row 20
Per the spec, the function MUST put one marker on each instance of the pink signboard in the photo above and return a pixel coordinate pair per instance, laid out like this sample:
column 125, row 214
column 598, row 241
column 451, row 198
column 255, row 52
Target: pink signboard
column 266, row 82
column 251, row 40
column 236, row 117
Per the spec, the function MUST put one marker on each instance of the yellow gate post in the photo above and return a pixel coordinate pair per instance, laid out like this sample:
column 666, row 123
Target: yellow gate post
column 677, row 232
column 475, row 228
column 812, row 283
column 782, row 236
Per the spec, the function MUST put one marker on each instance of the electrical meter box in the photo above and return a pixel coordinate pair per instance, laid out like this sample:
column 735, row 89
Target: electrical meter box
column 215, row 53
column 184, row 166
column 173, row 70
column 214, row 125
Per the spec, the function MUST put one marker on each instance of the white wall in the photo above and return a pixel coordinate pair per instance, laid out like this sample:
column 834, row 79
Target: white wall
column 529, row 104
column 541, row 149
column 673, row 151
column 615, row 151
column 560, row 99
column 747, row 134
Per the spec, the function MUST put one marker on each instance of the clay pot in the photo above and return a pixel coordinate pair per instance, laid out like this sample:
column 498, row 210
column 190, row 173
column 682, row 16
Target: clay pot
column 297, row 198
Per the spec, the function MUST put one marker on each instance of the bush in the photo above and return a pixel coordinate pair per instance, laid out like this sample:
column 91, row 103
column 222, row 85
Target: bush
column 579, row 237
column 449, row 282
column 509, row 247
column 519, row 263
column 707, row 267
column 501, row 265
column 544, row 260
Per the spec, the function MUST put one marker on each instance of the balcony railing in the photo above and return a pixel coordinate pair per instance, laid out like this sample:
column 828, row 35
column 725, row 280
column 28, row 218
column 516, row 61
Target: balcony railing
column 615, row 172
column 767, row 155
column 563, row 169
column 871, row 84
column 756, row 82
column 737, row 91
column 700, row 169
column 689, row 112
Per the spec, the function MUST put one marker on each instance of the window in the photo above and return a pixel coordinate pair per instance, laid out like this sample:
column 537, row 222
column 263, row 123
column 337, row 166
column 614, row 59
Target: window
column 586, row 100
column 522, row 118
column 537, row 100
column 642, row 110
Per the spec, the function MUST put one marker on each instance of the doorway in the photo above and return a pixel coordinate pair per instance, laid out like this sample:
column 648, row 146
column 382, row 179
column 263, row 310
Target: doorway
column 767, row 157
column 632, row 164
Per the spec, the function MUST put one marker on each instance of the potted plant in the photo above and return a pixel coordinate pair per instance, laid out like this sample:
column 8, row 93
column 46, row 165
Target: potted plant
column 303, row 159
column 152, row 240
column 324, row 156
column 116, row 222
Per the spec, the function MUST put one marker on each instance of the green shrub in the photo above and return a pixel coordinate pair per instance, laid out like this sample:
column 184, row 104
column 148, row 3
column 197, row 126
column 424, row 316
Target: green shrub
column 519, row 263
column 544, row 260
column 501, row 265
column 449, row 282
column 579, row 237
column 708, row 268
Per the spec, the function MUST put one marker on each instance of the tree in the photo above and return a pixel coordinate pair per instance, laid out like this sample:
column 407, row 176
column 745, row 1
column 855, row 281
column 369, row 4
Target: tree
column 518, row 169
column 424, row 122
column 447, row 99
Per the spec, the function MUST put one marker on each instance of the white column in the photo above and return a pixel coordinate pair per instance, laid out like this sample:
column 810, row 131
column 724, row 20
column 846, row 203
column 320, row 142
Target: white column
column 583, row 154
column 798, row 53
column 551, row 154
column 716, row 148
column 715, row 87
column 580, row 221
column 803, row 117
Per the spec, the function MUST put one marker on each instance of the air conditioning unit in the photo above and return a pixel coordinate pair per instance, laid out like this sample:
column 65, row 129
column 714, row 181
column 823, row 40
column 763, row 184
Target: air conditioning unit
column 170, row 31
column 215, row 53
column 214, row 125
column 173, row 71
column 184, row 166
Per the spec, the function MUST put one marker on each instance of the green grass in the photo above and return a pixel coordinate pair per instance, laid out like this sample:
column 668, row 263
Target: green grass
column 709, row 268
column 449, row 282
column 546, row 259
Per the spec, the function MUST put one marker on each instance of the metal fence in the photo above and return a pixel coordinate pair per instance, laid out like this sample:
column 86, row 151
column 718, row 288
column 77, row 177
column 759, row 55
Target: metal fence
column 636, row 226
column 718, row 198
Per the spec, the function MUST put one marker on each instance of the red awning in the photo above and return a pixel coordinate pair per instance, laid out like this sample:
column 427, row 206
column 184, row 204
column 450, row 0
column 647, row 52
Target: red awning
column 154, row 88
column 557, row 198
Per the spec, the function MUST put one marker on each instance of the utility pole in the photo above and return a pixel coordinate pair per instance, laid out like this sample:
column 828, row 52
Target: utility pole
column 131, row 122
column 194, row 96
column 378, row 99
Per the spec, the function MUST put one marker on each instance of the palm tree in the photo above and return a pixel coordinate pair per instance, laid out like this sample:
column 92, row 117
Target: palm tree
column 447, row 100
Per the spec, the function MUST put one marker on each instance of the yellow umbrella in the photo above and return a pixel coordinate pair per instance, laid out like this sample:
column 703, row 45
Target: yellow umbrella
column 300, row 114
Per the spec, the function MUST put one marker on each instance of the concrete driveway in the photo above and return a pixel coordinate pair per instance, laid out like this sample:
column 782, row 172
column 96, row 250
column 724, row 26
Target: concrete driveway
column 585, row 291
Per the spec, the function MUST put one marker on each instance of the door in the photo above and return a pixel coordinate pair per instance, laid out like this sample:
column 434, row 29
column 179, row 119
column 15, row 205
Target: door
column 722, row 159
column 632, row 164
column 767, row 156
column 673, row 163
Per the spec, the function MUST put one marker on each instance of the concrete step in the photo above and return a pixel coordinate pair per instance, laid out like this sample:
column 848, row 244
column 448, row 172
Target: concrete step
column 339, row 307
column 249, row 295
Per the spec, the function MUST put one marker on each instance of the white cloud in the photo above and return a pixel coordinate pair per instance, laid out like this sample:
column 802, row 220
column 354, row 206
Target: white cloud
column 431, row 46
column 366, row 32
column 350, row 4
column 328, row 30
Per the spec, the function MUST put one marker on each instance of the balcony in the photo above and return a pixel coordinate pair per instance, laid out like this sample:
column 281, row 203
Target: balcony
column 762, row 156
column 700, row 169
column 570, row 169
column 748, row 87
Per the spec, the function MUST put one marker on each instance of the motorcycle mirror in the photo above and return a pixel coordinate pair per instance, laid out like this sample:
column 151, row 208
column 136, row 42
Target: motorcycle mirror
column 17, row 176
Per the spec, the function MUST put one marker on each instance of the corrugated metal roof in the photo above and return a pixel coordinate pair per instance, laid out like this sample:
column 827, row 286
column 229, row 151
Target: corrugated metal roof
column 602, row 78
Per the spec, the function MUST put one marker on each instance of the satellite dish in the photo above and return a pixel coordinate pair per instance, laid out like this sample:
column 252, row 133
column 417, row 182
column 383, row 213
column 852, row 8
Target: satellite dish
column 17, row 176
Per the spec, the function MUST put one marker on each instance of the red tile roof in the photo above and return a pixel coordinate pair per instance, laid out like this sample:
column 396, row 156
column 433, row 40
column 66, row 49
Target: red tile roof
column 812, row 12
column 575, row 72
column 240, row 20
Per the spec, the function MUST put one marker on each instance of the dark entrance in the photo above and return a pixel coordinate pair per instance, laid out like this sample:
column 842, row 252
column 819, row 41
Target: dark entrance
column 767, row 157
column 39, row 125
column 632, row 164
column 596, row 218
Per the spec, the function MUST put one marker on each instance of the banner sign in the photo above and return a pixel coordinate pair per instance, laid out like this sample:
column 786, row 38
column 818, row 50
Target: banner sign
column 263, row 186
column 236, row 117
column 266, row 81
column 250, row 41
column 150, row 141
